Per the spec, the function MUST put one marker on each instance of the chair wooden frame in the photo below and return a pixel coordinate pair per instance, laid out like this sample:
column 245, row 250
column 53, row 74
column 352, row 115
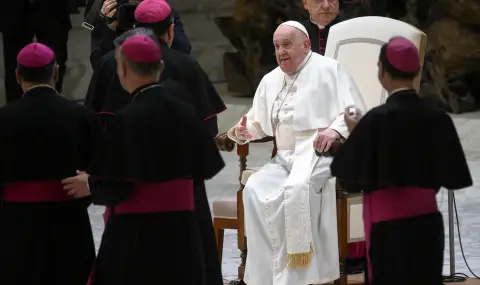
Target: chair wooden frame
column 226, row 144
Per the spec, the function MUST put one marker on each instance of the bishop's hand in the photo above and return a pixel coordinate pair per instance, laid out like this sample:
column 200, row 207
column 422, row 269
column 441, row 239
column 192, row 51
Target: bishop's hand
column 241, row 131
column 77, row 186
column 325, row 139
column 351, row 116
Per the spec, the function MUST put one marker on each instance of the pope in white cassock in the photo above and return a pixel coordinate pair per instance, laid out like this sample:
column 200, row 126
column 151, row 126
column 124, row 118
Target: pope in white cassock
column 290, row 217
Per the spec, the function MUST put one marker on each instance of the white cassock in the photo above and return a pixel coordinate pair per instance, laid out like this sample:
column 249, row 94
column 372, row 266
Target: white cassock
column 290, row 217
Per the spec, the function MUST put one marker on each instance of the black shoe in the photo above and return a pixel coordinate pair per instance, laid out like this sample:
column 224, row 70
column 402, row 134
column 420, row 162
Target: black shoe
column 355, row 266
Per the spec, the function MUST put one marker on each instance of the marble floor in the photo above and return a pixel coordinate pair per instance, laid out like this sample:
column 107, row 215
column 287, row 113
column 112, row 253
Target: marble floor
column 208, row 47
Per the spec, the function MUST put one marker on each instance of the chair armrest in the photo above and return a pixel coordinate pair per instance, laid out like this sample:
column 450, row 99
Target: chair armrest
column 263, row 140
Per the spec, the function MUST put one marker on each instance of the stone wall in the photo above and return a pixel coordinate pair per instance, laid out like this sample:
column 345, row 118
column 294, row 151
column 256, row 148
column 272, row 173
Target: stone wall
column 451, row 75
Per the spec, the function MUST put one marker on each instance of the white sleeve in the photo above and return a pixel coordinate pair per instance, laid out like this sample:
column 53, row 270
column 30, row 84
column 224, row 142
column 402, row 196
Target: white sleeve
column 253, row 127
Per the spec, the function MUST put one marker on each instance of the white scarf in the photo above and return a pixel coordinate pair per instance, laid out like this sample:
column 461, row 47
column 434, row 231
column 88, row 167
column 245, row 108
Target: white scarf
column 297, row 195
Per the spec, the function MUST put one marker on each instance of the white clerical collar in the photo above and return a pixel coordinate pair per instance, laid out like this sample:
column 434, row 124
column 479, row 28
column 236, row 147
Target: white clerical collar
column 399, row 90
column 301, row 66
column 41, row 86
column 319, row 26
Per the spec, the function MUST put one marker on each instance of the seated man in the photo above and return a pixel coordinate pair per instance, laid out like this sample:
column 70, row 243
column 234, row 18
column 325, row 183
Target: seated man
column 290, row 220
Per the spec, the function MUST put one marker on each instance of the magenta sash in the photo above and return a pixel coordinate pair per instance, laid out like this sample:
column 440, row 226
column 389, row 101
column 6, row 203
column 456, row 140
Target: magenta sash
column 175, row 195
column 393, row 204
column 36, row 191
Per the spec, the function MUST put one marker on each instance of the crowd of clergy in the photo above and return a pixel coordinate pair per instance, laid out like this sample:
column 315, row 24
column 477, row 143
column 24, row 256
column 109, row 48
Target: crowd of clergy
column 143, row 144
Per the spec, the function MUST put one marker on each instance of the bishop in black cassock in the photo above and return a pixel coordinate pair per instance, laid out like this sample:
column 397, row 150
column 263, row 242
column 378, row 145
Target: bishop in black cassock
column 152, row 152
column 399, row 155
column 185, row 78
column 45, row 232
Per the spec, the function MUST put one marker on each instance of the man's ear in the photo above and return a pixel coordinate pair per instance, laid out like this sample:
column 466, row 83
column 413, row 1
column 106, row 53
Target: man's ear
column 56, row 74
column 308, row 43
column 170, row 31
column 305, row 4
column 123, row 68
column 162, row 66
column 17, row 75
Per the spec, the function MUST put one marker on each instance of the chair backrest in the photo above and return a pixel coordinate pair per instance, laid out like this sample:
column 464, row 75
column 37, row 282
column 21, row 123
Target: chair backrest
column 356, row 44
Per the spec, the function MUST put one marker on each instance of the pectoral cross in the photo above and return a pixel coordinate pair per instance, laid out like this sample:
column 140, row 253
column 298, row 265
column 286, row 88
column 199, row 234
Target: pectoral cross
column 276, row 122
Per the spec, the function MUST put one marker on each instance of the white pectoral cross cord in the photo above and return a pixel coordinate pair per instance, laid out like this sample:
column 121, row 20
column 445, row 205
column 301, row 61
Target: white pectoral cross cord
column 276, row 120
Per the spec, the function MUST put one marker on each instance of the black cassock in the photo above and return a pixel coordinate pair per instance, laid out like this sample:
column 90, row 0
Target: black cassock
column 403, row 151
column 318, row 37
column 45, row 236
column 105, row 94
column 156, row 138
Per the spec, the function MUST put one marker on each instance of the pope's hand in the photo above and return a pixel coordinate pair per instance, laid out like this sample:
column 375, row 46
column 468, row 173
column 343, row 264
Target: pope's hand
column 77, row 186
column 241, row 131
column 324, row 140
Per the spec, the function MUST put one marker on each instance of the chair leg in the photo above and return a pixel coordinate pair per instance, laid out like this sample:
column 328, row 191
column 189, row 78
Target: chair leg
column 342, row 281
column 219, row 235
column 342, row 227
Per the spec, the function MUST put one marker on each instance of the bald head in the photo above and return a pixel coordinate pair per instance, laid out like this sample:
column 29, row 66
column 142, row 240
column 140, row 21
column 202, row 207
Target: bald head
column 291, row 47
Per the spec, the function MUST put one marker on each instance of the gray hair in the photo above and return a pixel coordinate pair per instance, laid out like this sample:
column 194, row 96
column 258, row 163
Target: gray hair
column 141, row 68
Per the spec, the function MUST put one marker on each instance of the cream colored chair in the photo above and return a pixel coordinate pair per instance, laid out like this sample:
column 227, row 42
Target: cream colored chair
column 356, row 44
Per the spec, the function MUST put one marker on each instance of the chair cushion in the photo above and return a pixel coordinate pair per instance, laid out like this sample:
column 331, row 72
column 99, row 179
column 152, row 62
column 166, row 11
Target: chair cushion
column 247, row 173
column 225, row 207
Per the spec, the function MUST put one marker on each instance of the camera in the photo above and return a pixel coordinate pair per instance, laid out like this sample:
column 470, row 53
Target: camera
column 125, row 15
